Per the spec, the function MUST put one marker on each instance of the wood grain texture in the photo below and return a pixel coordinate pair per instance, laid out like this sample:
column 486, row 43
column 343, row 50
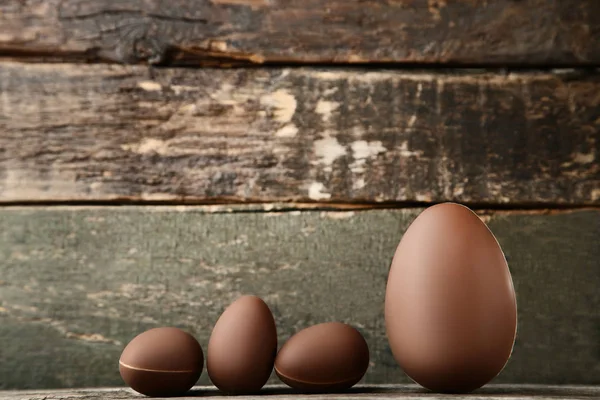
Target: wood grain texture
column 368, row 392
column 225, row 32
column 79, row 283
column 95, row 133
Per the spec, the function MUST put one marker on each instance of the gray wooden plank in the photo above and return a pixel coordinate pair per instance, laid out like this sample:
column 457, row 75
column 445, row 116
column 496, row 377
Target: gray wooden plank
column 225, row 32
column 96, row 133
column 278, row 392
column 77, row 283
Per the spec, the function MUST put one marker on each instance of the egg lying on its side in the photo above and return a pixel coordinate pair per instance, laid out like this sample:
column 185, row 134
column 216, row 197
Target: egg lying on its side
column 162, row 362
column 450, row 306
column 323, row 358
column 242, row 347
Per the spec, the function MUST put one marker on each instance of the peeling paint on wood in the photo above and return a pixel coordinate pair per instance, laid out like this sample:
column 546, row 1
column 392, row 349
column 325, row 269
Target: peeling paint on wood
column 230, row 32
column 79, row 283
column 99, row 132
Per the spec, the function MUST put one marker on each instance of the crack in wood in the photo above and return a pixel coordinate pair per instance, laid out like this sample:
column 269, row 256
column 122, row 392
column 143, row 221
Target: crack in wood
column 250, row 207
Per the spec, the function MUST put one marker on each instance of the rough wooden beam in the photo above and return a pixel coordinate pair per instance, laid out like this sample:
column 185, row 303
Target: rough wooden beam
column 362, row 392
column 225, row 32
column 94, row 133
column 78, row 283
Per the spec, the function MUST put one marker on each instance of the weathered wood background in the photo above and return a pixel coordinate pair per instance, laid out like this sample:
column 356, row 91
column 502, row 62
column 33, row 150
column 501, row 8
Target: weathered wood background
column 72, row 132
column 362, row 113
column 221, row 32
column 89, row 279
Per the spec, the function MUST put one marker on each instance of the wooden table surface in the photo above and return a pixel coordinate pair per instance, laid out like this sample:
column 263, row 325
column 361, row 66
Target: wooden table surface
column 538, row 392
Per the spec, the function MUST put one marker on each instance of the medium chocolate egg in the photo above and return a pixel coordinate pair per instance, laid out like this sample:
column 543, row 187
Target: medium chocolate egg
column 162, row 362
column 242, row 347
column 325, row 357
column 450, row 307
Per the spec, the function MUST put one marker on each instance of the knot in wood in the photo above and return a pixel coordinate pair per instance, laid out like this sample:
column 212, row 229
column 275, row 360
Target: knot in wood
column 147, row 49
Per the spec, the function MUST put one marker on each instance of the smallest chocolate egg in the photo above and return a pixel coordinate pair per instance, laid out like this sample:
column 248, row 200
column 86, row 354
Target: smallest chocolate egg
column 162, row 362
column 323, row 358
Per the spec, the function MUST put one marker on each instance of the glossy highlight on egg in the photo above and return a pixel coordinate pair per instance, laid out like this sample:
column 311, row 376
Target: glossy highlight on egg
column 450, row 304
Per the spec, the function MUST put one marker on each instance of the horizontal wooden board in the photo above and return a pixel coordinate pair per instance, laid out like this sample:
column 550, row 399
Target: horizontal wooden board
column 99, row 132
column 361, row 392
column 225, row 32
column 78, row 283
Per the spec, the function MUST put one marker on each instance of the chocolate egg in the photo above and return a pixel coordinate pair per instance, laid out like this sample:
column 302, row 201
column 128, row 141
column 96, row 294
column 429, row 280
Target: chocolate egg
column 162, row 362
column 450, row 307
column 325, row 357
column 242, row 347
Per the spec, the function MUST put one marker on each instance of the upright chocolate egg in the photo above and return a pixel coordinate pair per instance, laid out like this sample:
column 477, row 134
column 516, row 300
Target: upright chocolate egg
column 162, row 362
column 242, row 347
column 323, row 358
column 450, row 307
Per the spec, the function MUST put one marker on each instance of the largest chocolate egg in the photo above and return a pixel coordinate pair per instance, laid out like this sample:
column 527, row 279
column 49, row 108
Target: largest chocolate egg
column 450, row 307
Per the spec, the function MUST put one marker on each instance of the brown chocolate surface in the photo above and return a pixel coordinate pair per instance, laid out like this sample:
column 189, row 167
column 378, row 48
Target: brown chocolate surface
column 324, row 357
column 242, row 347
column 159, row 383
column 450, row 306
column 162, row 362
